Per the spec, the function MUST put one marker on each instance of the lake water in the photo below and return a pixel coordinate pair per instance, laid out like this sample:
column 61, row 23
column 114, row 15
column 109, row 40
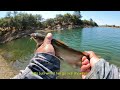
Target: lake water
column 105, row 42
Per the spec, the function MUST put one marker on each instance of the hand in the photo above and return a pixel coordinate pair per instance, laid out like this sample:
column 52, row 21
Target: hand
column 88, row 64
column 46, row 47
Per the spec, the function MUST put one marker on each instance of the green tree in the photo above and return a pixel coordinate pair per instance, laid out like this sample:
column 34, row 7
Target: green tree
column 25, row 21
column 92, row 23
column 59, row 18
column 67, row 18
column 50, row 22
column 76, row 20
column 78, row 14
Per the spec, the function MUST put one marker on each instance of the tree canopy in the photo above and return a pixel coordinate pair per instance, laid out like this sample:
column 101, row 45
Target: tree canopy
column 25, row 21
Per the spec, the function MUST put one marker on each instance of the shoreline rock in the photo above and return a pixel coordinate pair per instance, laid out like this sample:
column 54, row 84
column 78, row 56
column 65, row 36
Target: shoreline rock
column 11, row 35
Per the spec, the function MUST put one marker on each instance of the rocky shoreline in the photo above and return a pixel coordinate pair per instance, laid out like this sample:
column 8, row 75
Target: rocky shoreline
column 11, row 35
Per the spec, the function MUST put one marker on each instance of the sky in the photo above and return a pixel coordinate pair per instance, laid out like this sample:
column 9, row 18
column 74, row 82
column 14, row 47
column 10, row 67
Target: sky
column 100, row 17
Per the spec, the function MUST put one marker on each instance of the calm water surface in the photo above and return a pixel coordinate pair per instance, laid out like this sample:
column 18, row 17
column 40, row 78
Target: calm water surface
column 103, row 41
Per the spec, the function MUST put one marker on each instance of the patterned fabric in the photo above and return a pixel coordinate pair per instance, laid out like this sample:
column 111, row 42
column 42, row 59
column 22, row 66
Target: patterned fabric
column 41, row 66
column 104, row 70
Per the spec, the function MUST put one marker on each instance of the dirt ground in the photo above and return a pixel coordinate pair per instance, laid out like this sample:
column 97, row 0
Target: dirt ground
column 6, row 71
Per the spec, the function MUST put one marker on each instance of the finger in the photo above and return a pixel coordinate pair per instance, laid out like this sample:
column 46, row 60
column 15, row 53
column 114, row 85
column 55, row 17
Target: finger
column 85, row 67
column 83, row 58
column 88, row 70
column 49, row 49
column 91, row 53
column 48, row 38
column 86, row 61
column 86, row 53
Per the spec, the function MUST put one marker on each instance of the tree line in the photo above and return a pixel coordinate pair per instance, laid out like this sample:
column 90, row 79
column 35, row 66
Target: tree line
column 23, row 21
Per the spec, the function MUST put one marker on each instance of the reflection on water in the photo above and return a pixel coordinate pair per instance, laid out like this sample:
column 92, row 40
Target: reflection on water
column 105, row 42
